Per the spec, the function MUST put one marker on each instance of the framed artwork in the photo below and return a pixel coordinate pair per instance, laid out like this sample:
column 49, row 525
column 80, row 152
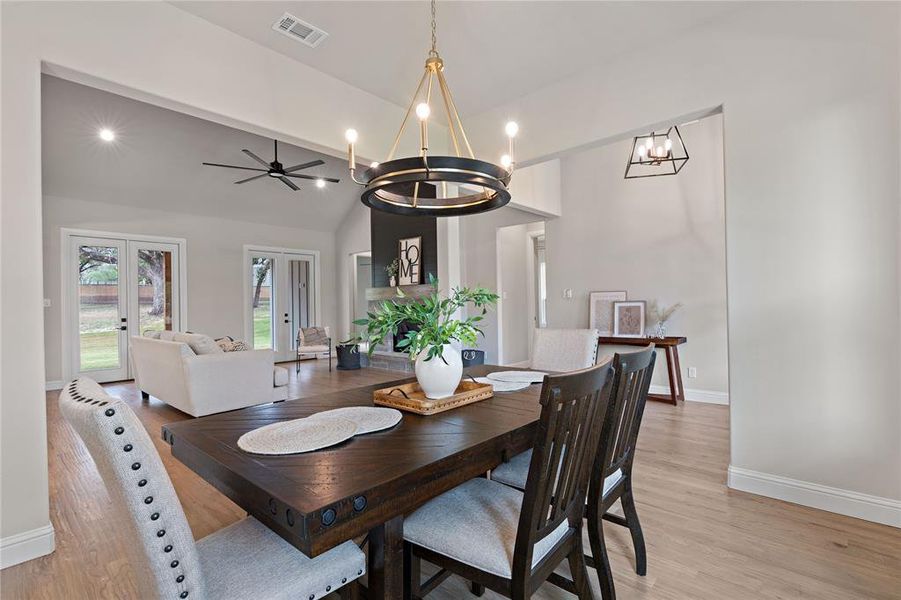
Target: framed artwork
column 600, row 310
column 409, row 261
column 628, row 318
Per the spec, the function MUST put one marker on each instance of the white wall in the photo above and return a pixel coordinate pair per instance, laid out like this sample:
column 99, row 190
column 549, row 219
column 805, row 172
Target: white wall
column 811, row 106
column 479, row 264
column 173, row 59
column 536, row 189
column 215, row 271
column 353, row 236
column 659, row 238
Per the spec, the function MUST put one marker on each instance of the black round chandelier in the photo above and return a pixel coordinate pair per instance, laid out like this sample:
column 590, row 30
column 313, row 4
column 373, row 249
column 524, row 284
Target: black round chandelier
column 435, row 185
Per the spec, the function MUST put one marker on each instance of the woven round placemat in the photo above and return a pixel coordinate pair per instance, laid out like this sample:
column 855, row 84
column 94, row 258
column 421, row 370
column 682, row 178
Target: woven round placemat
column 297, row 436
column 504, row 386
column 518, row 376
column 369, row 419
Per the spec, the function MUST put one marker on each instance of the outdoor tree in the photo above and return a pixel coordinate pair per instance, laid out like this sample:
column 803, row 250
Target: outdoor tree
column 95, row 262
column 261, row 269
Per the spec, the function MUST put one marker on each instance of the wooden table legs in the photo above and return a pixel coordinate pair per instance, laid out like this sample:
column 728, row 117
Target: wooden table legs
column 386, row 561
column 674, row 371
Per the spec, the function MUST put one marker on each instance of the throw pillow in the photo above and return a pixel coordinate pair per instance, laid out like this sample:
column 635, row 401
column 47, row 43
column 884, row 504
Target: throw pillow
column 199, row 343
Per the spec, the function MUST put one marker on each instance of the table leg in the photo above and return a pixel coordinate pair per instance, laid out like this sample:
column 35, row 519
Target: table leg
column 386, row 560
column 674, row 379
column 680, row 389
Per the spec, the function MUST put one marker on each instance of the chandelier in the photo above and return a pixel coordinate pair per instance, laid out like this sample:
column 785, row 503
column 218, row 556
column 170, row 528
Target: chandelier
column 429, row 184
column 657, row 154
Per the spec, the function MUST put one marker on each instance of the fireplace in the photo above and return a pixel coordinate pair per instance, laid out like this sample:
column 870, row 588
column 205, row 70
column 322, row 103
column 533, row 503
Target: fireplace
column 387, row 355
column 402, row 331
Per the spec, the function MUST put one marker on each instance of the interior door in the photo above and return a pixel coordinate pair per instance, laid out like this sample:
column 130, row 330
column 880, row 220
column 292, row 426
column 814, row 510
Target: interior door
column 98, row 274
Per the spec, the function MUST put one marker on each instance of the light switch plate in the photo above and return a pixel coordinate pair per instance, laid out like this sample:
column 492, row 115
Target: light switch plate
column 568, row 293
column 692, row 372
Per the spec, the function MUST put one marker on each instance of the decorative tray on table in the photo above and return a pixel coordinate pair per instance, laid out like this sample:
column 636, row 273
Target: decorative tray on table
column 411, row 398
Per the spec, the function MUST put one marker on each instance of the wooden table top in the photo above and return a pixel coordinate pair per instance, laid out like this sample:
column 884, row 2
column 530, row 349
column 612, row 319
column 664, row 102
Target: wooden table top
column 642, row 341
column 320, row 499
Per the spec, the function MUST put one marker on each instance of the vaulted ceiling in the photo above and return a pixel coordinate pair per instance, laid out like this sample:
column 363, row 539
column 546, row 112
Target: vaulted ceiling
column 155, row 162
column 495, row 51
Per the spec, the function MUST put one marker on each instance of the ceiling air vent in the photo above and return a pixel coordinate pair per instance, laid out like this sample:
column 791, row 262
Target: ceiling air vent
column 301, row 31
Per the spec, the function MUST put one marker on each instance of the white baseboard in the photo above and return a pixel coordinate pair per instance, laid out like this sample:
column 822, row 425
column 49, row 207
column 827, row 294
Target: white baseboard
column 15, row 549
column 695, row 395
column 53, row 385
column 837, row 500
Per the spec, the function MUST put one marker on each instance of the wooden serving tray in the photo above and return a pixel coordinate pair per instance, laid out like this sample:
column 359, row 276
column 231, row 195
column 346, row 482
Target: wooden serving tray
column 411, row 398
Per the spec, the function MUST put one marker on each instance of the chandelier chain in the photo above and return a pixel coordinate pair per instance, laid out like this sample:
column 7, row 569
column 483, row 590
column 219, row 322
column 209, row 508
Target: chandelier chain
column 434, row 50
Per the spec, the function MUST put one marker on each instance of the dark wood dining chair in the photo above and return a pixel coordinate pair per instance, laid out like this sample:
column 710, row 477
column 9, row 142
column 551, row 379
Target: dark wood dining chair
column 611, row 477
column 508, row 540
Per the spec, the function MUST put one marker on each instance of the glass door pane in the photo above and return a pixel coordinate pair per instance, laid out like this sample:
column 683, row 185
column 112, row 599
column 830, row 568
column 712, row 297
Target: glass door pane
column 154, row 288
column 100, row 308
column 262, row 276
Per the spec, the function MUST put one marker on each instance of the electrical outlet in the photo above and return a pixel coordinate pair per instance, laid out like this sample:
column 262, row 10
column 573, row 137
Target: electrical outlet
column 692, row 372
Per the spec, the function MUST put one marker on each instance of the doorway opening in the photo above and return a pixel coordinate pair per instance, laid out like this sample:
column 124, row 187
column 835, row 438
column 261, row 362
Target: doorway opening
column 522, row 287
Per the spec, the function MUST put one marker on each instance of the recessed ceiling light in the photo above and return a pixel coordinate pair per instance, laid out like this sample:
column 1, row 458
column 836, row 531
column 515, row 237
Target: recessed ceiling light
column 320, row 183
column 107, row 135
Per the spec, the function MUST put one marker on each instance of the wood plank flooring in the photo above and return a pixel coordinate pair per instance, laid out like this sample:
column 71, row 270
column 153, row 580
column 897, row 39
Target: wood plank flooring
column 704, row 540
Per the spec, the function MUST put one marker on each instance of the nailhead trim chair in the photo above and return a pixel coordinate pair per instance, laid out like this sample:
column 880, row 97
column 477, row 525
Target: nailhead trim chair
column 611, row 476
column 245, row 560
column 511, row 541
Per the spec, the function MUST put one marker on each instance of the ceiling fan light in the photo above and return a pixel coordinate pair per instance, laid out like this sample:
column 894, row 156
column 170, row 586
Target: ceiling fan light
column 320, row 183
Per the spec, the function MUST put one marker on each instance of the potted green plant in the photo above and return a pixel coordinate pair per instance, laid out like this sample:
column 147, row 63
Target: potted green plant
column 348, row 353
column 438, row 364
column 391, row 270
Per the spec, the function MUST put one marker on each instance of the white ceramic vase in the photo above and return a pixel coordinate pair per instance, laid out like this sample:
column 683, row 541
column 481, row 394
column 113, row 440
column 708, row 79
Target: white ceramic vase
column 440, row 378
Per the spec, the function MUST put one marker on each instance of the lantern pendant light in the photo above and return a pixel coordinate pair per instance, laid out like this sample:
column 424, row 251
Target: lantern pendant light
column 430, row 184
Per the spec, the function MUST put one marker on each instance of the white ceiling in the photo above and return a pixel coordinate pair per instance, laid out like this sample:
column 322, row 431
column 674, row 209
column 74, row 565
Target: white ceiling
column 156, row 159
column 495, row 51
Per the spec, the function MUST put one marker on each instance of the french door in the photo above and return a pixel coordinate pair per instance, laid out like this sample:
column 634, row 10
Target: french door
column 117, row 287
column 282, row 297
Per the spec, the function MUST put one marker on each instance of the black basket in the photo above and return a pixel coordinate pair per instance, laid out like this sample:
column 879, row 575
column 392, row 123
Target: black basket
column 473, row 357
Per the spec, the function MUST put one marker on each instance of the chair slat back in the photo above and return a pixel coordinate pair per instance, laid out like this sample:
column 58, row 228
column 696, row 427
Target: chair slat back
column 632, row 373
column 572, row 416
column 140, row 489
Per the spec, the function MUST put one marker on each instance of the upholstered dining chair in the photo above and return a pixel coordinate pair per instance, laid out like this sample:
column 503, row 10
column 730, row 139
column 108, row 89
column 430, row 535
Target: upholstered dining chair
column 313, row 341
column 245, row 560
column 611, row 475
column 562, row 350
column 511, row 541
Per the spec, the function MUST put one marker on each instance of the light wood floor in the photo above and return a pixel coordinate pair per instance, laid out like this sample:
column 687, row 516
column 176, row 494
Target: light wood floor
column 704, row 541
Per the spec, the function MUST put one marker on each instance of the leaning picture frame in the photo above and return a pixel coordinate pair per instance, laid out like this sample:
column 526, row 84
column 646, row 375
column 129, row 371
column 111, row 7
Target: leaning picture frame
column 629, row 318
column 600, row 310
column 409, row 254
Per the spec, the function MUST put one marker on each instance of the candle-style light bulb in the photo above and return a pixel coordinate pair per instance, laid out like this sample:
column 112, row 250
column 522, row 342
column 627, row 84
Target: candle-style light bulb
column 373, row 164
column 642, row 151
column 668, row 144
column 423, row 111
column 649, row 143
column 660, row 153
column 511, row 128
column 351, row 136
column 506, row 161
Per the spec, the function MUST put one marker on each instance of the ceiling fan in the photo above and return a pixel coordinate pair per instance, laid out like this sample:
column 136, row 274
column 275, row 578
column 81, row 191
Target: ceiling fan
column 278, row 171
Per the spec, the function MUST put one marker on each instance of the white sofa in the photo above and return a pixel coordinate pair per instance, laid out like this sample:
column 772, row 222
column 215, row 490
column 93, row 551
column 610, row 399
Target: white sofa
column 208, row 383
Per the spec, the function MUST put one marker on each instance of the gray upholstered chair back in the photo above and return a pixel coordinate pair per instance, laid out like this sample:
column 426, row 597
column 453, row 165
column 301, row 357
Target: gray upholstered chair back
column 564, row 350
column 138, row 484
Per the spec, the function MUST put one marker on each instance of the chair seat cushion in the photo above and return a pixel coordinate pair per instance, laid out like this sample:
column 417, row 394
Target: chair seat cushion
column 312, row 349
column 515, row 473
column 476, row 523
column 279, row 376
column 248, row 561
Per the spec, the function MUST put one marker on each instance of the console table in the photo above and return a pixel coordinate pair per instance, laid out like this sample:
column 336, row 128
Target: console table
column 670, row 346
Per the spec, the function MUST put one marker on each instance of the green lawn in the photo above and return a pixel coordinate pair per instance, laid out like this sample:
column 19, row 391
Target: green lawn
column 262, row 325
column 99, row 336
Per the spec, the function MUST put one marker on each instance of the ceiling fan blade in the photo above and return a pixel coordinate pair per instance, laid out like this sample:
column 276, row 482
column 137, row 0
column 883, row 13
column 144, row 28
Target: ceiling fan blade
column 290, row 184
column 306, row 165
column 312, row 177
column 252, row 178
column 255, row 157
column 235, row 167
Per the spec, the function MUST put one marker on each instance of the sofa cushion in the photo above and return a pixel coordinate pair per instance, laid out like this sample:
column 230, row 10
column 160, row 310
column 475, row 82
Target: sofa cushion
column 279, row 376
column 154, row 335
column 199, row 343
column 229, row 344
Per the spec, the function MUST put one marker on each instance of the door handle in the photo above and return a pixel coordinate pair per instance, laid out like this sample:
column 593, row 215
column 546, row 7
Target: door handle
column 123, row 328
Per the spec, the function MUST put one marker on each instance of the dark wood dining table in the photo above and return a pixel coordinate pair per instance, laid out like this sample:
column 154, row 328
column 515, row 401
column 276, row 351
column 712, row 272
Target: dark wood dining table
column 364, row 486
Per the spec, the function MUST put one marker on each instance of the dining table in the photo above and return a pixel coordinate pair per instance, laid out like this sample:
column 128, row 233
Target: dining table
column 360, row 489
